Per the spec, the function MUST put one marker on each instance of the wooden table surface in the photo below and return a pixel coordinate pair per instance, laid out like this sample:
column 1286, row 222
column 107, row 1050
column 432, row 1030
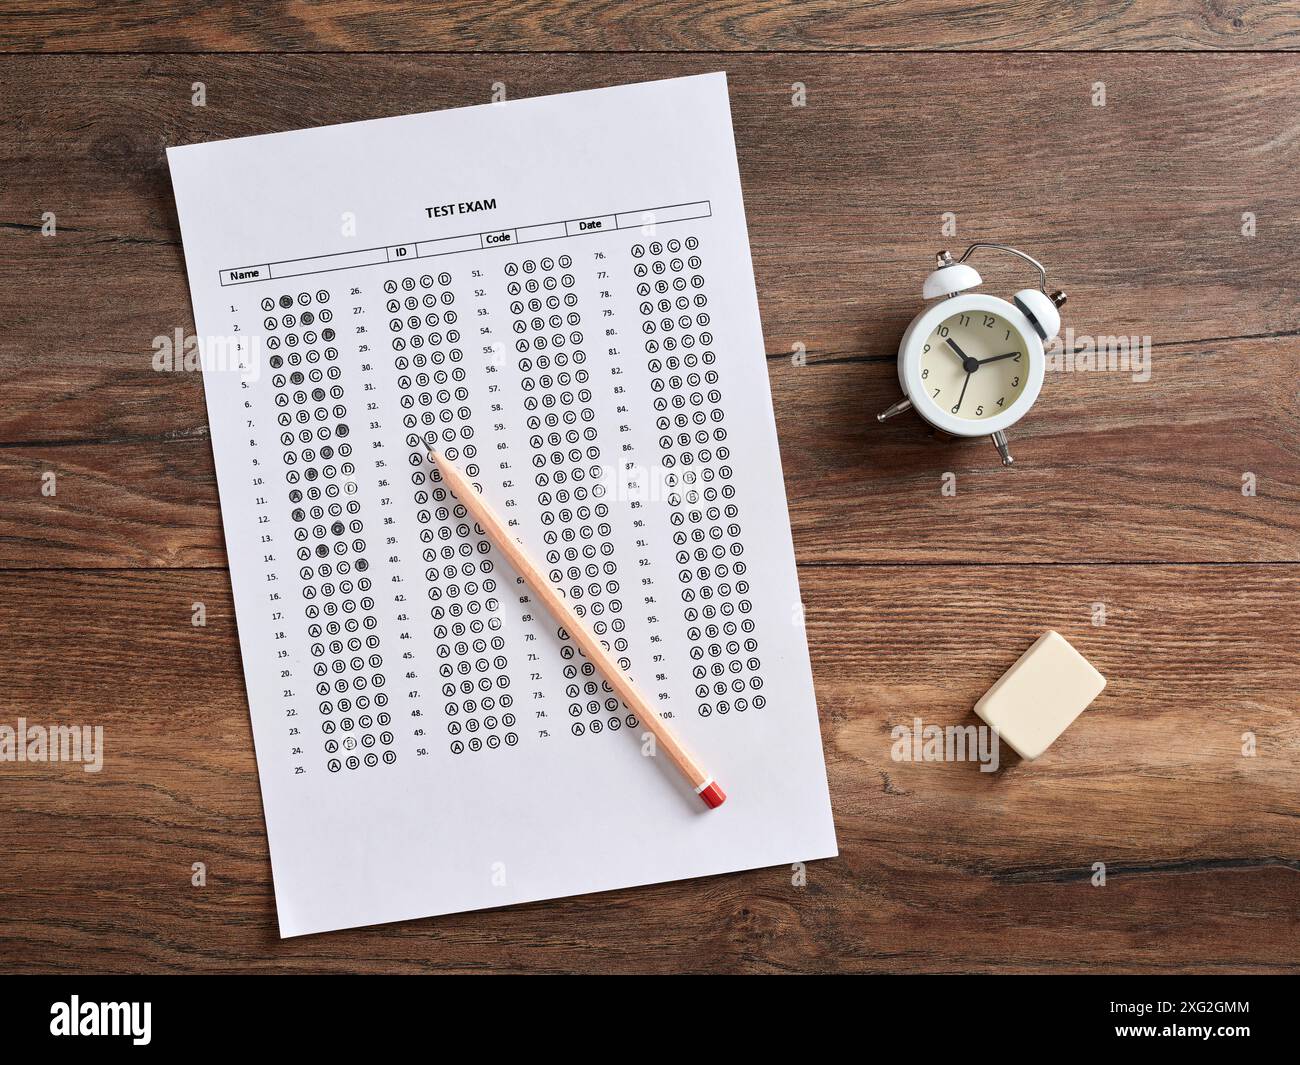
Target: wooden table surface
column 1130, row 494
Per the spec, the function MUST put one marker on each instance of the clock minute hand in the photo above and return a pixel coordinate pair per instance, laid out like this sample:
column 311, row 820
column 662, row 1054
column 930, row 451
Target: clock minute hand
column 995, row 358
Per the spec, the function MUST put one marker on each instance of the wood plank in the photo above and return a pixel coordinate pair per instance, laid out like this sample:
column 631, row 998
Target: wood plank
column 844, row 198
column 1108, row 470
column 942, row 867
column 146, row 502
column 629, row 25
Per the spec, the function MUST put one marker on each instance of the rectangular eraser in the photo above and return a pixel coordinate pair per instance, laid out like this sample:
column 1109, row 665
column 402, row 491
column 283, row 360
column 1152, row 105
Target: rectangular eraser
column 1040, row 696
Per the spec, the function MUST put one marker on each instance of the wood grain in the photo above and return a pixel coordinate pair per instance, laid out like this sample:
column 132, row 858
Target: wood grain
column 636, row 26
column 942, row 867
column 1108, row 471
column 1136, row 207
column 1127, row 494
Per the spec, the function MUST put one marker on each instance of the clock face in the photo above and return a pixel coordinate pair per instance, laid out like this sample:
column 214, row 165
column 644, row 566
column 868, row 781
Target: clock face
column 974, row 365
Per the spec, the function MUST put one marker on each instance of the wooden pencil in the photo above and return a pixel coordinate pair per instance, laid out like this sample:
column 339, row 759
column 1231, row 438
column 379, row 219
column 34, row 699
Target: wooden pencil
column 665, row 740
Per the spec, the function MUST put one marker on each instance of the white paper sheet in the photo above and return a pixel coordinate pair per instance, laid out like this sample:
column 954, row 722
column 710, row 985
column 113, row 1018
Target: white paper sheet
column 559, row 293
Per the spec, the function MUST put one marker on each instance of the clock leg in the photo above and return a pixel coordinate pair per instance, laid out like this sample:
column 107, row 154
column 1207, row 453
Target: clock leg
column 1000, row 442
column 897, row 408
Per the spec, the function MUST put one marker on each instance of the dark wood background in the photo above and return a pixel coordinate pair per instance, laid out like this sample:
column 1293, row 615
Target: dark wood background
column 1125, row 493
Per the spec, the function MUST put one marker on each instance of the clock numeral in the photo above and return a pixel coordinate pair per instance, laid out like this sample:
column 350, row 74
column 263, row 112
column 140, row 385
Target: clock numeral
column 1015, row 381
column 1002, row 400
column 988, row 321
column 942, row 330
column 936, row 392
column 925, row 373
column 979, row 410
column 964, row 319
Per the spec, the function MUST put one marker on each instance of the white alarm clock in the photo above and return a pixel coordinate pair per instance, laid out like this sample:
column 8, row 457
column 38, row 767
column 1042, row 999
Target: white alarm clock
column 972, row 364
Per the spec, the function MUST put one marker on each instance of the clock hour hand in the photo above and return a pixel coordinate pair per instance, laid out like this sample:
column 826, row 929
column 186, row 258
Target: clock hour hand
column 995, row 358
column 967, row 363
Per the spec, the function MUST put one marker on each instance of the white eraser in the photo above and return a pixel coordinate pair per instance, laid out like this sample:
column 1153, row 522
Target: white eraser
column 1040, row 696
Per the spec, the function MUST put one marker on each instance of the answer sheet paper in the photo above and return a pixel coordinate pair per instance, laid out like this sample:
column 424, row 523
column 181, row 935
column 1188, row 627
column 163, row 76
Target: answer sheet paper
column 558, row 293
